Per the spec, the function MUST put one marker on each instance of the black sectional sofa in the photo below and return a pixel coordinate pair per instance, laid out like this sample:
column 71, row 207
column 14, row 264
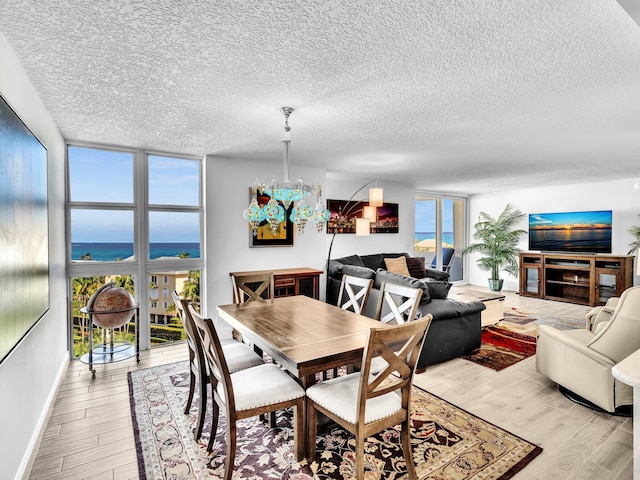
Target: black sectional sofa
column 455, row 328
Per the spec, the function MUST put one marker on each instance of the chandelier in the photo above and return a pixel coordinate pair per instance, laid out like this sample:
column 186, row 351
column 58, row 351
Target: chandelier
column 286, row 193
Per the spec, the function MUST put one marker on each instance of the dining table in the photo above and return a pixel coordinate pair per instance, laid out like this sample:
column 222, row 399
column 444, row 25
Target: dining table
column 304, row 335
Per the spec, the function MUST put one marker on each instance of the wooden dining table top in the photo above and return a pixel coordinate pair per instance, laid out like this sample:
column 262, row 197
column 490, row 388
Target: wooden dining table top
column 305, row 335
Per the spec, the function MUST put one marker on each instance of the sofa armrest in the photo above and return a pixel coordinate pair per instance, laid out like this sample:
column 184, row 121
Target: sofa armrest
column 436, row 274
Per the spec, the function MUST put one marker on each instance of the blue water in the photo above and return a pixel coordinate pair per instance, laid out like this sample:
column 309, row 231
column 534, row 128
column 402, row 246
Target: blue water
column 446, row 236
column 109, row 252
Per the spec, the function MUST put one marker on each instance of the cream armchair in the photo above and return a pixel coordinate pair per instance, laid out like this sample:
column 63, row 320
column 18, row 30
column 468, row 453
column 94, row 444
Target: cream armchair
column 581, row 360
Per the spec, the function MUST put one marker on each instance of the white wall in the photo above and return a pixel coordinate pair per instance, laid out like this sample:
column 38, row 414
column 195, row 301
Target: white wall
column 620, row 196
column 227, row 235
column 30, row 374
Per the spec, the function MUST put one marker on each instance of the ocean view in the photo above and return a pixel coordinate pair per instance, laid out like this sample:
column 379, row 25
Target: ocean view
column 109, row 252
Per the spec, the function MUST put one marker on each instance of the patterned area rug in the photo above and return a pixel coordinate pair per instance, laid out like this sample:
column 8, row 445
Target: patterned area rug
column 448, row 442
column 505, row 344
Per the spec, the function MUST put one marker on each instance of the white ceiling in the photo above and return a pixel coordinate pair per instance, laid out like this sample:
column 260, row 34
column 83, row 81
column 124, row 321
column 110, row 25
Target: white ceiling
column 462, row 97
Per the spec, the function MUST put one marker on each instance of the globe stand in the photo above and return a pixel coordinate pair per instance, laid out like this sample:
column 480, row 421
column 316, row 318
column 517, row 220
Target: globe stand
column 111, row 351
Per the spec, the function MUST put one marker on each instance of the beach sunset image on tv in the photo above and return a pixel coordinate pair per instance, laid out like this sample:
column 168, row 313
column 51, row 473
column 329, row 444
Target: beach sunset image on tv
column 580, row 232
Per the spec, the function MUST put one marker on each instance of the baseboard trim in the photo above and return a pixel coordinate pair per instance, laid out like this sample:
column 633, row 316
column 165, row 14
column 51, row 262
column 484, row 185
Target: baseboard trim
column 36, row 439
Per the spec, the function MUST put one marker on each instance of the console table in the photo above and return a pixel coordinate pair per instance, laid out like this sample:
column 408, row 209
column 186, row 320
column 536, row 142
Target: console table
column 577, row 278
column 292, row 281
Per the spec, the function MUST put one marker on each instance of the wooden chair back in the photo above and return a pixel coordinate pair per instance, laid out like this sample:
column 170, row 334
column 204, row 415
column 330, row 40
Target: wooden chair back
column 197, row 362
column 214, row 355
column 354, row 292
column 182, row 306
column 397, row 302
column 400, row 347
column 251, row 287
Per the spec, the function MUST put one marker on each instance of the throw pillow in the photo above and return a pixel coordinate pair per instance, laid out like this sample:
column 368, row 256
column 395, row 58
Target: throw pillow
column 398, row 279
column 374, row 261
column 397, row 265
column 416, row 268
column 439, row 289
column 357, row 271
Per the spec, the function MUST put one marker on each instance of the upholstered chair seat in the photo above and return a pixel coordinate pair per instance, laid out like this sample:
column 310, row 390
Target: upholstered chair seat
column 340, row 396
column 272, row 384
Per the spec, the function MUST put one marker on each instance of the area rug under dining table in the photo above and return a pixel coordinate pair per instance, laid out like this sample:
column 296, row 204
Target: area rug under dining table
column 448, row 442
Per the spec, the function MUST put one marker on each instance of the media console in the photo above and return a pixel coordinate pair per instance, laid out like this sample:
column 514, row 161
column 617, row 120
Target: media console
column 587, row 279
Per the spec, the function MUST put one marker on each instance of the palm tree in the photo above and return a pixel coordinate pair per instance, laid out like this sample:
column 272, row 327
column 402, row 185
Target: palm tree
column 192, row 286
column 498, row 243
column 635, row 245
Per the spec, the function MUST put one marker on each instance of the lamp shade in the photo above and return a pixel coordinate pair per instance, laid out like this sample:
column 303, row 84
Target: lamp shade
column 369, row 213
column 375, row 197
column 362, row 227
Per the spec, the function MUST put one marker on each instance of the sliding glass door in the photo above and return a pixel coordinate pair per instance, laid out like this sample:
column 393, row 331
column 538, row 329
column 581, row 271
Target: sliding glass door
column 440, row 232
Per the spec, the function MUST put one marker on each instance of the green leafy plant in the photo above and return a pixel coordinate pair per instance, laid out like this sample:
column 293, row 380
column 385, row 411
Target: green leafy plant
column 497, row 242
column 635, row 245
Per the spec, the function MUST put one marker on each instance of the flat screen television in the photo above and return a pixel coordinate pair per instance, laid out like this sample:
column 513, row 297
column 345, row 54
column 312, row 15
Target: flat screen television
column 578, row 232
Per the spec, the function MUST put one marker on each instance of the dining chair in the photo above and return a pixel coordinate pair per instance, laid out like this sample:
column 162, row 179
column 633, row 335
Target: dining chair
column 365, row 403
column 252, row 287
column 239, row 357
column 247, row 393
column 397, row 302
column 354, row 293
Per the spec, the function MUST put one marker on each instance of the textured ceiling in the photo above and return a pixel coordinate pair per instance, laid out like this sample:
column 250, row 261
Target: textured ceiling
column 462, row 97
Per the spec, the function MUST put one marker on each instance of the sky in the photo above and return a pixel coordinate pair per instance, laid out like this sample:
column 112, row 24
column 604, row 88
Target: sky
column 426, row 216
column 107, row 176
column 570, row 218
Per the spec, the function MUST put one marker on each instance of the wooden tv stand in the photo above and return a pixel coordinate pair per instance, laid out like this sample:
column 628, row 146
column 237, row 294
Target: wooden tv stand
column 587, row 279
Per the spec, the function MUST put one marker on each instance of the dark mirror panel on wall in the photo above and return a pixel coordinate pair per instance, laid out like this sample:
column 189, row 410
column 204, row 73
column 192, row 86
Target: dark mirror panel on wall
column 24, row 232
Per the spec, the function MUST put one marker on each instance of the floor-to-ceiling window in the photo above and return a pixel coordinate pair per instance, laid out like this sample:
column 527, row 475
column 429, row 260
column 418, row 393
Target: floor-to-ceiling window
column 440, row 232
column 133, row 215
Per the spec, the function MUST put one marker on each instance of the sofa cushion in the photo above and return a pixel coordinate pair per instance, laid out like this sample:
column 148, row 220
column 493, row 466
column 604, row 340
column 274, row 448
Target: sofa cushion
column 358, row 271
column 386, row 276
column 438, row 289
column 374, row 262
column 416, row 268
column 397, row 265
column 436, row 274
column 351, row 260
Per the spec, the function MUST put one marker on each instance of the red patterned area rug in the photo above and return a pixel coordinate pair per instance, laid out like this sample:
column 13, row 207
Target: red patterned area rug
column 505, row 344
column 448, row 442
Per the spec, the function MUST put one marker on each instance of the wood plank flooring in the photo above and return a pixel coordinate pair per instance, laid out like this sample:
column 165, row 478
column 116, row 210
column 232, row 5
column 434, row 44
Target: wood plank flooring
column 89, row 434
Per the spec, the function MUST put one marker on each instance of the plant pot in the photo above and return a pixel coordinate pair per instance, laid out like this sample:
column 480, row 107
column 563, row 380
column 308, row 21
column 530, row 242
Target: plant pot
column 495, row 284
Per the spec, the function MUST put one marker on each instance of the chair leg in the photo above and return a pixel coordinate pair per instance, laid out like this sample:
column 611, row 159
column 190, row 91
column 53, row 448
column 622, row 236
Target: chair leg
column 231, row 449
column 406, row 448
column 360, row 457
column 215, row 413
column 202, row 407
column 312, row 421
column 298, row 430
column 192, row 389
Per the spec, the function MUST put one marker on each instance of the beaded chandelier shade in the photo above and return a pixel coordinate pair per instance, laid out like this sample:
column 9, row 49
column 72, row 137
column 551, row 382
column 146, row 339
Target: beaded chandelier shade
column 286, row 193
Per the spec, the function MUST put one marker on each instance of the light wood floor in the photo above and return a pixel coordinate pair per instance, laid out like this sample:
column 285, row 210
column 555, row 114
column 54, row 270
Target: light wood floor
column 89, row 434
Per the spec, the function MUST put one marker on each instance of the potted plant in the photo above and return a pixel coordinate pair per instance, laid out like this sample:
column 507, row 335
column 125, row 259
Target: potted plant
column 635, row 245
column 497, row 241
